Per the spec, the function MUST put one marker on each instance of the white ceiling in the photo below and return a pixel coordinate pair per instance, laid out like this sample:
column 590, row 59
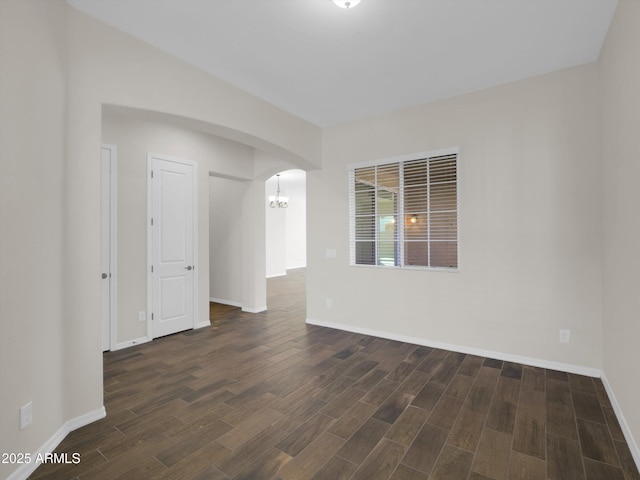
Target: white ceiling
column 329, row 65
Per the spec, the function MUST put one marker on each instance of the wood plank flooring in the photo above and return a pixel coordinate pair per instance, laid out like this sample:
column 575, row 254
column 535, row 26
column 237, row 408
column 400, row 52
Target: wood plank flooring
column 264, row 396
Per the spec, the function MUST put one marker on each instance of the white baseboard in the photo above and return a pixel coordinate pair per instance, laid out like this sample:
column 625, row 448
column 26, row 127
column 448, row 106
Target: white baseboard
column 225, row 302
column 274, row 275
column 50, row 445
column 131, row 343
column 254, row 310
column 534, row 362
column 286, row 272
column 297, row 267
column 202, row 325
column 631, row 442
column 237, row 304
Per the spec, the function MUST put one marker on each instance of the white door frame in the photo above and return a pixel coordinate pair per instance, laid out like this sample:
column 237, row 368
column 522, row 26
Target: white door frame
column 150, row 157
column 112, row 246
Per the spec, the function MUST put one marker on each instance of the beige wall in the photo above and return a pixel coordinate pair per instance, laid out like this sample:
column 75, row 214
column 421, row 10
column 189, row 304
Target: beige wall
column 225, row 239
column 529, row 185
column 59, row 67
column 136, row 138
column 545, row 164
column 620, row 73
column 33, row 79
column 109, row 67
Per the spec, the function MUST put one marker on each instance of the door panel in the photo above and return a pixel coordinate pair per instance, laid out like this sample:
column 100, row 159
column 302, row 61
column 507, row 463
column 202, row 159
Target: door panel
column 173, row 217
column 173, row 246
column 173, row 293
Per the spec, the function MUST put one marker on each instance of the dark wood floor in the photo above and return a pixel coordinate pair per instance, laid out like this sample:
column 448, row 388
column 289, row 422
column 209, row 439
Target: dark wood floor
column 264, row 396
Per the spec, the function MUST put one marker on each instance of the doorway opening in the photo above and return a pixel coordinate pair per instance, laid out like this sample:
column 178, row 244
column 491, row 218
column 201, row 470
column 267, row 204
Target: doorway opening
column 286, row 228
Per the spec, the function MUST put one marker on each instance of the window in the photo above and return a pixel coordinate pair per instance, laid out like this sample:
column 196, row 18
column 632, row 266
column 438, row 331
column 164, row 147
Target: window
column 404, row 212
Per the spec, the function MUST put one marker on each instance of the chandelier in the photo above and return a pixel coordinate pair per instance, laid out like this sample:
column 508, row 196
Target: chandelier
column 276, row 200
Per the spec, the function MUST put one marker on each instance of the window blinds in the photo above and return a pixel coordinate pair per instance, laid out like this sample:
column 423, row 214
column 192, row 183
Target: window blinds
column 405, row 213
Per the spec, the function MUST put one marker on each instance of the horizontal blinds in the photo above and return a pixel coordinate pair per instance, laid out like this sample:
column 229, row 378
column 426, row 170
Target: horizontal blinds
column 405, row 213
column 443, row 198
column 416, row 209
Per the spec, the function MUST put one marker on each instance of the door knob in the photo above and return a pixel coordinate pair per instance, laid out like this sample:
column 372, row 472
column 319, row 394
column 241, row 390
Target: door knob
column 189, row 267
column 104, row 275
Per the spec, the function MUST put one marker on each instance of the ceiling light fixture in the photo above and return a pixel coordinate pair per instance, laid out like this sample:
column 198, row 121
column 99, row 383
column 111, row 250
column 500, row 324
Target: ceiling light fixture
column 346, row 3
column 276, row 200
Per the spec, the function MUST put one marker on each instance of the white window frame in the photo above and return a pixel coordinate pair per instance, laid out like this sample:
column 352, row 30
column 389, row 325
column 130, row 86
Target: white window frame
column 400, row 160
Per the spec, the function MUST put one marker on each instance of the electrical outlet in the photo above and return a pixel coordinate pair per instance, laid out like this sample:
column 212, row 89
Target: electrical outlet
column 26, row 416
column 142, row 315
column 329, row 303
column 565, row 336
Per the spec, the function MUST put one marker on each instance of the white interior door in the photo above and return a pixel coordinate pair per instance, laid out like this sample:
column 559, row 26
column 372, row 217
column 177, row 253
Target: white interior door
column 173, row 239
column 108, row 180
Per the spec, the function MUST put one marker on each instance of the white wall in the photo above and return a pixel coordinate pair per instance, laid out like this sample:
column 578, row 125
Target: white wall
column 33, row 261
column 620, row 73
column 530, row 237
column 287, row 227
column 296, row 231
column 225, row 239
column 276, row 228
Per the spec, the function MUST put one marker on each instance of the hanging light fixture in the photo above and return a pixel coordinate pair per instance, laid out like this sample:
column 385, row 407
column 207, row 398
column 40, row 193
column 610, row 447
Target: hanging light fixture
column 346, row 3
column 276, row 200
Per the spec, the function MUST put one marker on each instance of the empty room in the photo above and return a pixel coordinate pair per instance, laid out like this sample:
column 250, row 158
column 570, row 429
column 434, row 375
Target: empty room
column 463, row 303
